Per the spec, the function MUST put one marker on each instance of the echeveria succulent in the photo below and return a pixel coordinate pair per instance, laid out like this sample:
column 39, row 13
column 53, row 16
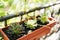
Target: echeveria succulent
column 16, row 28
column 31, row 24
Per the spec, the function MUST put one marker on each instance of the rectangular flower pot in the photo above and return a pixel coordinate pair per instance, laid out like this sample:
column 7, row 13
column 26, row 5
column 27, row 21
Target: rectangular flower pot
column 35, row 35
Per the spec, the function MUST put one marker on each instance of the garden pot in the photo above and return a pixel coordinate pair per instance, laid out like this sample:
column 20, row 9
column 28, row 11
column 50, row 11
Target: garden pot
column 35, row 35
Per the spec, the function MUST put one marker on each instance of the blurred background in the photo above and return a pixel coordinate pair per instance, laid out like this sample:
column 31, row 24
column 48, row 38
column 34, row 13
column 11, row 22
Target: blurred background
column 15, row 6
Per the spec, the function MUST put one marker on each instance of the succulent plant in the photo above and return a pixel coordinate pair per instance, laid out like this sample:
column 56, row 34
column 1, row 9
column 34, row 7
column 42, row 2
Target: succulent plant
column 16, row 28
column 31, row 24
column 42, row 19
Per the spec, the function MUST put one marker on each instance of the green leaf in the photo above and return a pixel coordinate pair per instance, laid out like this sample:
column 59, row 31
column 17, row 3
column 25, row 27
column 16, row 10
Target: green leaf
column 5, row 0
column 9, row 1
column 36, row 0
column 13, row 7
column 1, row 5
column 2, row 13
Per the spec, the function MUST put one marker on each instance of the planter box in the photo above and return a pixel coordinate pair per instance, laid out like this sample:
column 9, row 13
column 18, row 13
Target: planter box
column 35, row 35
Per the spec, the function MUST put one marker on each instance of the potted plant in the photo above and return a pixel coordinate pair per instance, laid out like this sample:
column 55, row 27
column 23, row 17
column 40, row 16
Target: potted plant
column 31, row 24
column 19, row 31
column 14, row 31
column 37, row 33
column 42, row 20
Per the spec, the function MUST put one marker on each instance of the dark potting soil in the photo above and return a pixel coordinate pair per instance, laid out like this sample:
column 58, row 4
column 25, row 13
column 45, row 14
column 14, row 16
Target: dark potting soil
column 13, row 36
column 39, row 22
